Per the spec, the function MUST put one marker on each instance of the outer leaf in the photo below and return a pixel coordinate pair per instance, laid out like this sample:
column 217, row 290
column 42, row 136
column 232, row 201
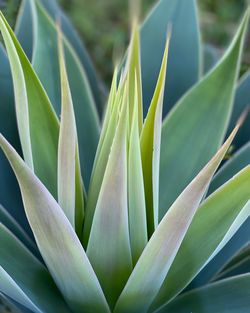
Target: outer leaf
column 8, row 127
column 220, row 215
column 7, row 220
column 45, row 62
column 57, row 241
column 27, row 37
column 25, row 279
column 56, row 13
column 150, row 147
column 136, row 196
column 230, row 295
column 187, row 148
column 44, row 127
column 211, row 56
column 21, row 98
column 242, row 101
column 236, row 163
column 6, row 304
column 184, row 54
column 159, row 254
column 109, row 247
column 67, row 153
column 239, row 268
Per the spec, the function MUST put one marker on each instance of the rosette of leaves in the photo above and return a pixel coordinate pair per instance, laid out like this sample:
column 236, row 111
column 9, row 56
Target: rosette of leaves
column 126, row 208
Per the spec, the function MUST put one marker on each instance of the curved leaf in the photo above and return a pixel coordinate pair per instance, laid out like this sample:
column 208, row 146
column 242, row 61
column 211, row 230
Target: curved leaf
column 184, row 53
column 157, row 257
column 45, row 62
column 189, row 140
column 25, row 279
column 43, row 123
column 57, row 241
column 230, row 295
column 221, row 214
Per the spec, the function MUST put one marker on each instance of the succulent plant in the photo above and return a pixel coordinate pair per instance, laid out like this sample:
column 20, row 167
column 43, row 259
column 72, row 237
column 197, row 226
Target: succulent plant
column 124, row 214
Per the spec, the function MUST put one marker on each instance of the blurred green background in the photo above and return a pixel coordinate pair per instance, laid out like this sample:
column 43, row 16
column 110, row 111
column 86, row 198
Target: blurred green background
column 104, row 25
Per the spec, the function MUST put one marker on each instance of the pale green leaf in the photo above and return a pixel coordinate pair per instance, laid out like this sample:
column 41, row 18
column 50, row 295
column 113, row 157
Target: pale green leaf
column 68, row 183
column 45, row 62
column 109, row 247
column 216, row 221
column 57, row 241
column 136, row 196
column 43, row 123
column 153, row 266
column 100, row 163
column 150, row 147
column 196, row 126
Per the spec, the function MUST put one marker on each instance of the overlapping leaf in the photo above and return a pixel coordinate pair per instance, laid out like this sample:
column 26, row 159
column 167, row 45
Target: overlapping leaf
column 207, row 107
column 231, row 295
column 57, row 241
column 220, row 215
column 109, row 245
column 153, row 266
column 184, row 54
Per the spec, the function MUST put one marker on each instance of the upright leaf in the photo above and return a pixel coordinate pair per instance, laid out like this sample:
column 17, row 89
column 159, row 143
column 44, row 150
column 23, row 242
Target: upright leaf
column 102, row 155
column 42, row 121
column 184, row 54
column 68, row 178
column 109, row 247
column 45, row 62
column 8, row 126
column 230, row 295
column 189, row 140
column 221, row 215
column 136, row 195
column 150, row 147
column 57, row 241
column 153, row 266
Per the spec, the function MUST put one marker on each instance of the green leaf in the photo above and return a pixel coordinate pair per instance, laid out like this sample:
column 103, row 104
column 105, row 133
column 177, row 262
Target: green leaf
column 221, row 214
column 189, row 140
column 67, row 152
column 25, row 279
column 242, row 101
column 57, row 241
column 184, row 54
column 68, row 29
column 7, row 220
column 230, row 295
column 43, row 123
column 134, row 67
column 239, row 268
column 7, row 305
column 236, row 163
column 8, row 126
column 45, row 62
column 25, row 34
column 109, row 247
column 136, row 196
column 160, row 252
column 150, row 146
column 102, row 155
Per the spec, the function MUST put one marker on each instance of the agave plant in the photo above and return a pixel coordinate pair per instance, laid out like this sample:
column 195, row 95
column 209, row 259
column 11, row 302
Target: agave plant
column 133, row 215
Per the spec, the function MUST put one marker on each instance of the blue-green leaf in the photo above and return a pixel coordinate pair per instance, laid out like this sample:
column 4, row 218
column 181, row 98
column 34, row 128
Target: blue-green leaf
column 184, row 53
column 196, row 126
column 230, row 295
